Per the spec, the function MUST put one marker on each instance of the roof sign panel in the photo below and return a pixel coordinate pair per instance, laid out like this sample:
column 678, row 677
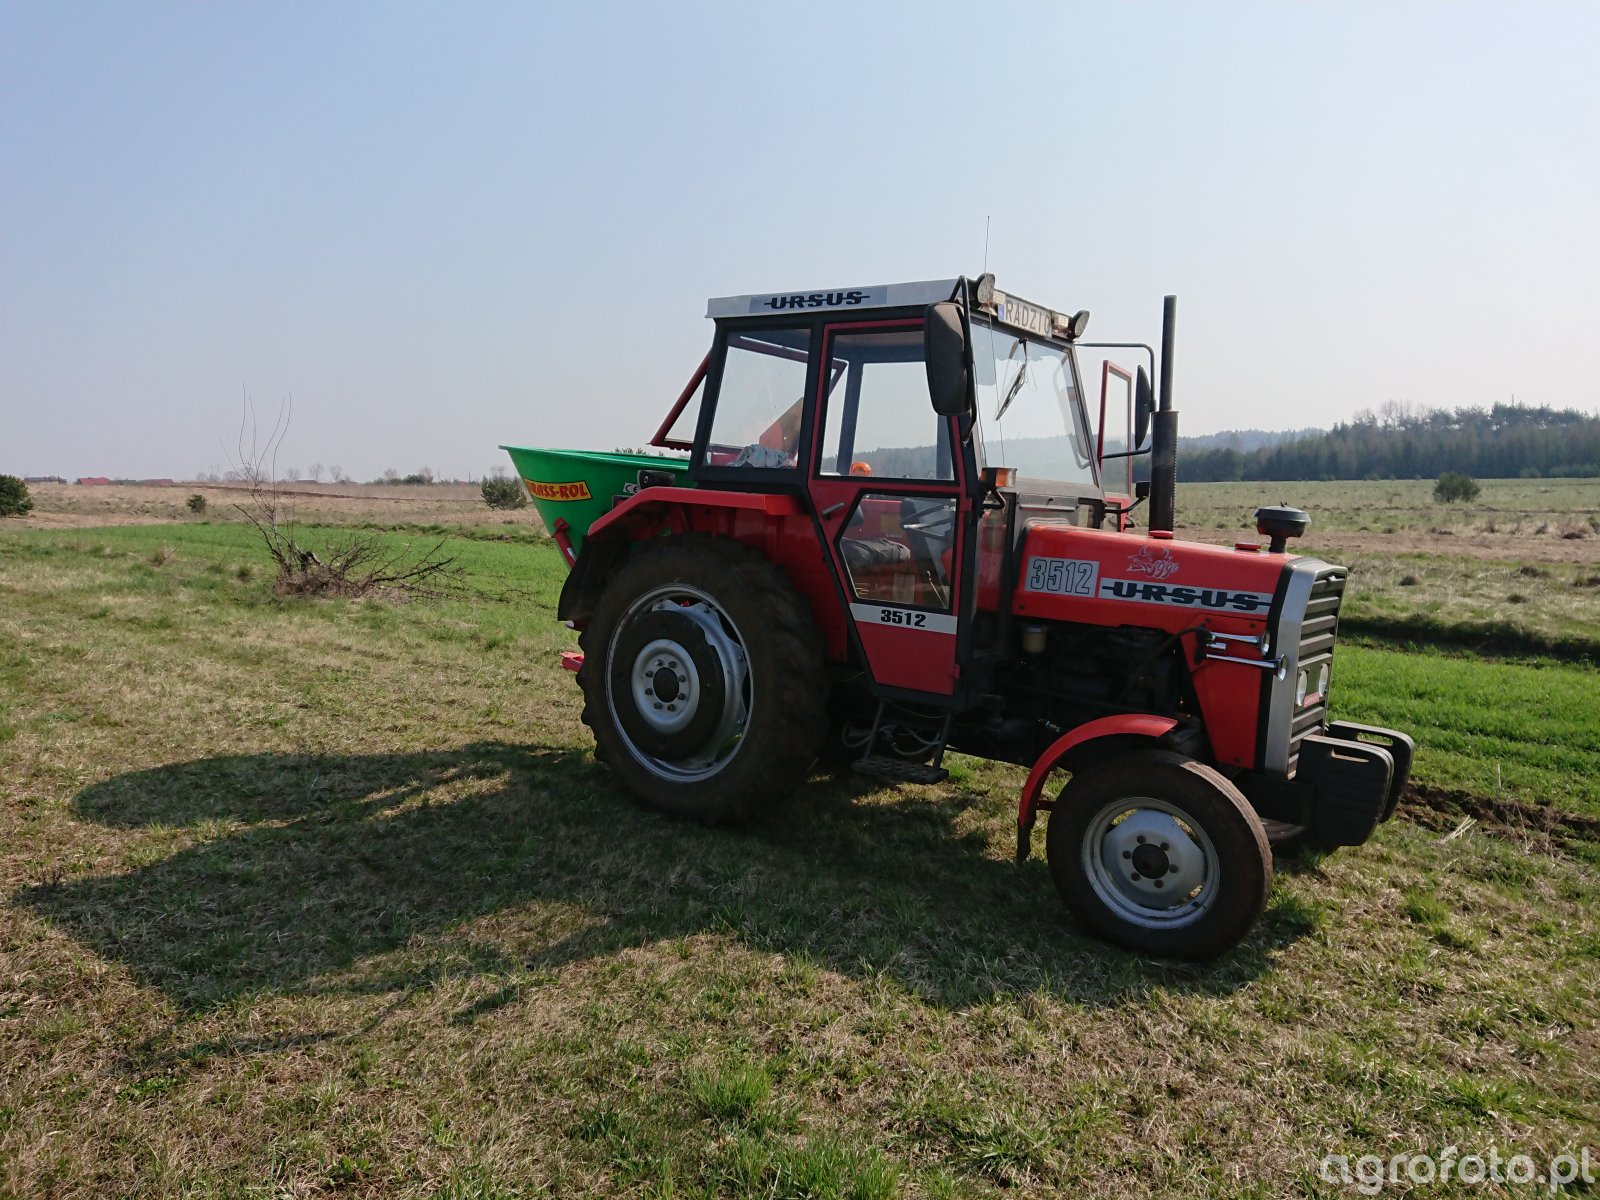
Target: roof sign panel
column 890, row 295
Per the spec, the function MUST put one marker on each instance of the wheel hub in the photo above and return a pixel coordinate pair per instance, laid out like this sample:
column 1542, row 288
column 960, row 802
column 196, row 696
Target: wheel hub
column 1148, row 860
column 666, row 685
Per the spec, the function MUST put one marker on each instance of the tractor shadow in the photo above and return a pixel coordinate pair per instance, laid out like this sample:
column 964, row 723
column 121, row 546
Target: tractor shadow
column 303, row 868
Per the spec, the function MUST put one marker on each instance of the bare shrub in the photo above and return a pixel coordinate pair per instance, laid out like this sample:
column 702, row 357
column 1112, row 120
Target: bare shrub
column 359, row 563
column 359, row 566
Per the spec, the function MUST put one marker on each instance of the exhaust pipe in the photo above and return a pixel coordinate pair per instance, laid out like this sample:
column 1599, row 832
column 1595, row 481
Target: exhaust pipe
column 1164, row 430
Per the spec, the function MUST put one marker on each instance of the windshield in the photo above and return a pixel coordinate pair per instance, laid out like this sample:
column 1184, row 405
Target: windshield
column 1030, row 408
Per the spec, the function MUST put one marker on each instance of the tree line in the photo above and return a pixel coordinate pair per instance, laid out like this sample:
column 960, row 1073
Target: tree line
column 1400, row 441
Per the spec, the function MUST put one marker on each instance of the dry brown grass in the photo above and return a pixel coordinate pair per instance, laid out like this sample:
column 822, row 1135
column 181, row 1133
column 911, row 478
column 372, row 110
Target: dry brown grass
column 69, row 506
column 1516, row 520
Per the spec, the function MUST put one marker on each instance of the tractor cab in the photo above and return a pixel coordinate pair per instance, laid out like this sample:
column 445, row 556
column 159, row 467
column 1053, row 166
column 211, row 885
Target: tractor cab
column 834, row 397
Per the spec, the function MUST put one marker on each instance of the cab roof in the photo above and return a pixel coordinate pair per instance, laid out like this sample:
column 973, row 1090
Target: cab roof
column 882, row 295
column 985, row 297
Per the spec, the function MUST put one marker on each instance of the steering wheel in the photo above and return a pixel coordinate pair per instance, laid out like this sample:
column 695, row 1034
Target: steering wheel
column 930, row 528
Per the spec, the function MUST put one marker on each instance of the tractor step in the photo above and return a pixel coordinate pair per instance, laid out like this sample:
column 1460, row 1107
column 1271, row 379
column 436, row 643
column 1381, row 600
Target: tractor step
column 898, row 770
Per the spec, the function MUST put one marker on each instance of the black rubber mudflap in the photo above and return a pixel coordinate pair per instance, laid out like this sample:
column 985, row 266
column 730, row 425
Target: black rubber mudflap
column 1352, row 788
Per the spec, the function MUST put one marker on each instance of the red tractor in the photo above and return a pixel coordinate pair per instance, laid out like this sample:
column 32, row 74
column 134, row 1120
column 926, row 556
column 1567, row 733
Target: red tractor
column 892, row 537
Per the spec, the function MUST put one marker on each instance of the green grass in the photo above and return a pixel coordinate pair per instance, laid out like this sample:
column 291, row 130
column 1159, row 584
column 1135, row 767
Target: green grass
column 330, row 897
column 1526, row 730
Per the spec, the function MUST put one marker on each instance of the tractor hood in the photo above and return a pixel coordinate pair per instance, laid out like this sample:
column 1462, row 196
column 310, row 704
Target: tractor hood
column 1104, row 578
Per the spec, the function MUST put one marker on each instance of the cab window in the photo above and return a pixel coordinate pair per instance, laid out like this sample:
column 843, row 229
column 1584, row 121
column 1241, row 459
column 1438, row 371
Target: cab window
column 897, row 549
column 878, row 421
column 760, row 399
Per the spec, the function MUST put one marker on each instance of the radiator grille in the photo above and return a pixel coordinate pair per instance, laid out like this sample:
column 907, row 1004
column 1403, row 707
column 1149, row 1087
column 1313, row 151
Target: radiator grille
column 1315, row 657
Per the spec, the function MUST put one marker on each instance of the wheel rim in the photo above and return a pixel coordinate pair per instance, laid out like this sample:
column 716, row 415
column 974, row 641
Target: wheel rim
column 666, row 690
column 1151, row 863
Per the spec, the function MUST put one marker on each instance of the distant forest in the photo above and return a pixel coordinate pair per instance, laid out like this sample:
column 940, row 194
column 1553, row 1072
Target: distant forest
column 1401, row 442
column 1397, row 442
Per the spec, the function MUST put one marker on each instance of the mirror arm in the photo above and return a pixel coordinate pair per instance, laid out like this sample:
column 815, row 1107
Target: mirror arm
column 1123, row 509
column 1127, row 453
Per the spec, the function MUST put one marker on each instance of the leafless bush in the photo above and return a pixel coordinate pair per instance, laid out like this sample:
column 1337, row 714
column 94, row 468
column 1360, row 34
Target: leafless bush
column 359, row 563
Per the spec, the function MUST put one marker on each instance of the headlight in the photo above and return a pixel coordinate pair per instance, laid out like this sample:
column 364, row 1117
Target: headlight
column 1312, row 685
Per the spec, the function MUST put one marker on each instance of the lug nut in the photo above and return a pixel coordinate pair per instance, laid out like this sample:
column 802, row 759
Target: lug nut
column 1173, row 869
column 658, row 704
column 1136, row 877
column 1140, row 839
column 648, row 692
column 1158, row 883
column 1127, row 854
column 672, row 708
column 1163, row 845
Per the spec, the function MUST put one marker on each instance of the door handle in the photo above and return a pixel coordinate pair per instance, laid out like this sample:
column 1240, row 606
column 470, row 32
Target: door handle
column 832, row 508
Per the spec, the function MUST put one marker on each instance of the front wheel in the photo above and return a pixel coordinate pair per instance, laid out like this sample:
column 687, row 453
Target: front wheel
column 1159, row 853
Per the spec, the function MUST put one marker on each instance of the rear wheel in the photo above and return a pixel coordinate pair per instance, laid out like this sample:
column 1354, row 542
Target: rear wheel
column 703, row 678
column 1161, row 854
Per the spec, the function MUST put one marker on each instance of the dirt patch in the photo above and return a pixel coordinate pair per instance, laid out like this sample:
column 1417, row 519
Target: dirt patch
column 1445, row 808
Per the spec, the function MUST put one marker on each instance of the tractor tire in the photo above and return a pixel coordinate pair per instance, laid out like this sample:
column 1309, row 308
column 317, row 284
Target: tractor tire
column 1160, row 854
column 704, row 680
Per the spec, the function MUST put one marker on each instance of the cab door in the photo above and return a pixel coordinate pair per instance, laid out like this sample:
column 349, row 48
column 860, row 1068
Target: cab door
column 886, row 484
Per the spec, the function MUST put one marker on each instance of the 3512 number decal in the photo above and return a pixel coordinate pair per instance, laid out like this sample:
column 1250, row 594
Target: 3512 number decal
column 898, row 616
column 1063, row 576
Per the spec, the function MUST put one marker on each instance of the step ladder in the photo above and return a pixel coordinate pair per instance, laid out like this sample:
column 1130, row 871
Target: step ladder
column 900, row 770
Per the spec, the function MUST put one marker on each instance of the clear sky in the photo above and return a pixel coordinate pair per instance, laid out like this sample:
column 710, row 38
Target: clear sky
column 442, row 227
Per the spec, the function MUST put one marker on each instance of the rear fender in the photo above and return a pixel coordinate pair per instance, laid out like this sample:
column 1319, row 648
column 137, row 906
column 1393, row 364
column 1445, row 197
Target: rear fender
column 1075, row 746
column 751, row 517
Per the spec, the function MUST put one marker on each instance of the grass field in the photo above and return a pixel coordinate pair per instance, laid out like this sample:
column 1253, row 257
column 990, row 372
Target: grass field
column 329, row 897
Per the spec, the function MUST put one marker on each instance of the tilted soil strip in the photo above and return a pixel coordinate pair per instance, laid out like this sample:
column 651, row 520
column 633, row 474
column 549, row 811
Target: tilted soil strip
column 1444, row 808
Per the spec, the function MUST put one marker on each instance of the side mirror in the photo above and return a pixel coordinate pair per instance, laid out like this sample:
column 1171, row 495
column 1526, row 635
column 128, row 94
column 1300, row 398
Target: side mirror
column 944, row 349
column 1144, row 403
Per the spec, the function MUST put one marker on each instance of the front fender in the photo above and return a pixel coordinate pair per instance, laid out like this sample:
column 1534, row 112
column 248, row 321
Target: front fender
column 1138, row 725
